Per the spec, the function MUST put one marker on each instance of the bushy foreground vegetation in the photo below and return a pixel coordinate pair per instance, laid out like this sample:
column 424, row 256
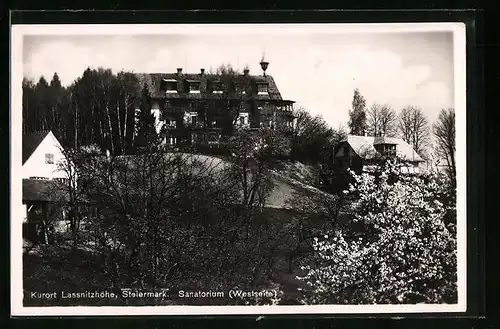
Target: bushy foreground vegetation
column 169, row 220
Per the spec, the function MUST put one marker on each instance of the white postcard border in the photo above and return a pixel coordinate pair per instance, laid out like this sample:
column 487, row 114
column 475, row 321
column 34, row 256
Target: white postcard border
column 16, row 69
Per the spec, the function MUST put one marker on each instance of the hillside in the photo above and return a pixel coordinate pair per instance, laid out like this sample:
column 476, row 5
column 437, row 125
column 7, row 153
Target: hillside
column 298, row 171
column 290, row 179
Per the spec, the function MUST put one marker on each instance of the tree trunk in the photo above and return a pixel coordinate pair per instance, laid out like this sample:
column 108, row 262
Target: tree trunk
column 110, row 130
column 76, row 126
column 120, row 135
column 126, row 124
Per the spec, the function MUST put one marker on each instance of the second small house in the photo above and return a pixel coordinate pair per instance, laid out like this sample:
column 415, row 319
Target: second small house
column 362, row 153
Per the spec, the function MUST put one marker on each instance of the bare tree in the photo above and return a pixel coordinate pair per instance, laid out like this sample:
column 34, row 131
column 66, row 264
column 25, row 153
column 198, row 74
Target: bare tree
column 252, row 155
column 382, row 120
column 414, row 128
column 312, row 136
column 444, row 133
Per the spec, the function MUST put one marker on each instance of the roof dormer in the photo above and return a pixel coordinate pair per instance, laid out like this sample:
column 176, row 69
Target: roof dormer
column 385, row 146
column 169, row 85
column 217, row 87
column 194, row 86
column 262, row 88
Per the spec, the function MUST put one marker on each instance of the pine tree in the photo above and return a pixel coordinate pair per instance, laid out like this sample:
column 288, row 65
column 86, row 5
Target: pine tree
column 55, row 94
column 357, row 115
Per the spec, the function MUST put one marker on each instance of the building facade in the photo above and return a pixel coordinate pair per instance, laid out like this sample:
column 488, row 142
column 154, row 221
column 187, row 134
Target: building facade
column 201, row 108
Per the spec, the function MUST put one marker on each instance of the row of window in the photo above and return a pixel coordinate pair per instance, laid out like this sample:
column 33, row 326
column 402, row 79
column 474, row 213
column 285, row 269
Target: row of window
column 386, row 149
column 243, row 120
column 191, row 118
column 170, row 86
column 57, row 179
column 195, row 138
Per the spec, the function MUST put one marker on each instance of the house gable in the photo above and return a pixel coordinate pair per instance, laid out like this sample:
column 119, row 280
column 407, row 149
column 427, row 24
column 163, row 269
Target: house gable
column 31, row 142
column 44, row 159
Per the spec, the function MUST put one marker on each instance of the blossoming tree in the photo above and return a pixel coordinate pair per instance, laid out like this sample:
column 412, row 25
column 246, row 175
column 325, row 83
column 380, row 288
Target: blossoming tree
column 398, row 248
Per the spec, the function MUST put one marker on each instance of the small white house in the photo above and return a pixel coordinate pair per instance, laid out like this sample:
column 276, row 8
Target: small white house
column 41, row 178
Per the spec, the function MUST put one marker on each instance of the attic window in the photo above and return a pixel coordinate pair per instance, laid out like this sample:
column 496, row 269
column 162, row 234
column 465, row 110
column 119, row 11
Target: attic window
column 387, row 149
column 49, row 158
column 262, row 88
column 169, row 85
column 194, row 86
column 217, row 87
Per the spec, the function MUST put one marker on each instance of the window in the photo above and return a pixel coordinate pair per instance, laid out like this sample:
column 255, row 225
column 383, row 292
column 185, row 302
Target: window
column 390, row 150
column 386, row 149
column 172, row 140
column 62, row 180
column 49, row 158
column 170, row 123
column 194, row 138
column 190, row 118
column 169, row 85
column 243, row 120
column 194, row 87
column 172, row 87
column 217, row 87
column 262, row 88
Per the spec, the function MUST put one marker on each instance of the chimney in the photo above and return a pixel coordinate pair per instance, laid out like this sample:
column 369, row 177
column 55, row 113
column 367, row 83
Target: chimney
column 179, row 71
column 202, row 71
column 245, row 71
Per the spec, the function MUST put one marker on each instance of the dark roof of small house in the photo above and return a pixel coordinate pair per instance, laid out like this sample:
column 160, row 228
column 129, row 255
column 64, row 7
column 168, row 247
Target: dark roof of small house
column 42, row 190
column 153, row 82
column 31, row 142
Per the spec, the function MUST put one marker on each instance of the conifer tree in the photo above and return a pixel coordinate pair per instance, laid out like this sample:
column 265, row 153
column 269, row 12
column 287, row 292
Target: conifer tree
column 357, row 115
column 146, row 132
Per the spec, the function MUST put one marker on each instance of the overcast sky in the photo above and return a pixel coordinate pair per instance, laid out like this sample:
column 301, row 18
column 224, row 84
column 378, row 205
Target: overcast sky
column 319, row 70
